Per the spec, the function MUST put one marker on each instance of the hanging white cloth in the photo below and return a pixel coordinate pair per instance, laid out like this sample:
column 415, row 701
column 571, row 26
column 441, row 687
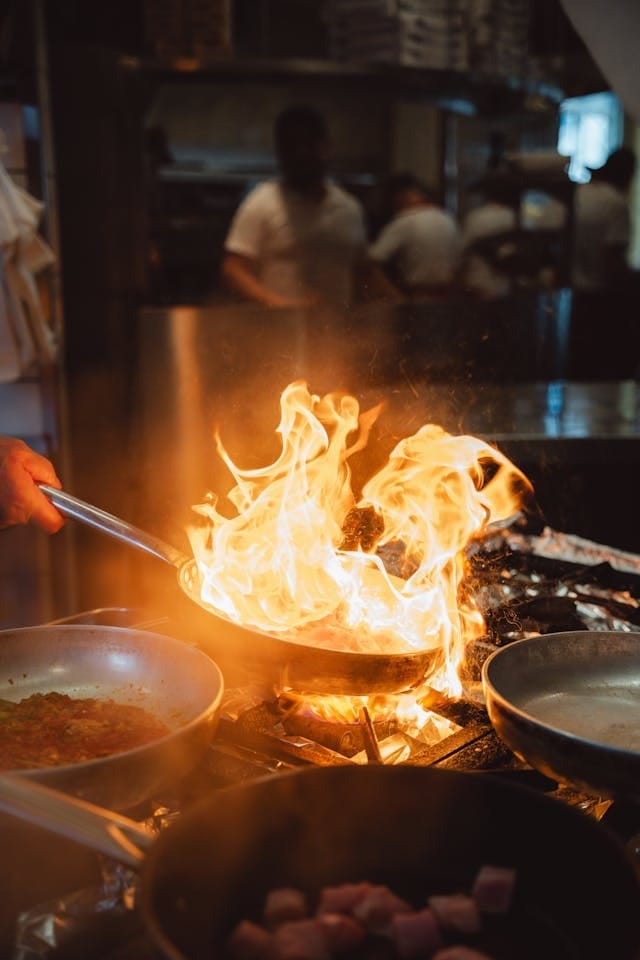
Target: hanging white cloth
column 26, row 338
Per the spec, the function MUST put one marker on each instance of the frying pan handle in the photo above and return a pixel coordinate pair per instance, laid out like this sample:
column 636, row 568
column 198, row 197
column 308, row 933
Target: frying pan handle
column 93, row 827
column 114, row 527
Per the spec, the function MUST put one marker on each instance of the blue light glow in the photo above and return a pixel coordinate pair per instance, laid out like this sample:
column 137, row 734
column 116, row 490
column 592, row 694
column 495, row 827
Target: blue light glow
column 590, row 128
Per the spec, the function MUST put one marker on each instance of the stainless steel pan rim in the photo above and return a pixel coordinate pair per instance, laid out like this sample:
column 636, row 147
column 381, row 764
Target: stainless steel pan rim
column 499, row 698
column 306, row 668
column 89, row 765
column 550, row 669
column 178, row 683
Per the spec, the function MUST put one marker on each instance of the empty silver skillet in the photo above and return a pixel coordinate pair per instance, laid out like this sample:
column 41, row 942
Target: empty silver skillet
column 284, row 661
column 569, row 704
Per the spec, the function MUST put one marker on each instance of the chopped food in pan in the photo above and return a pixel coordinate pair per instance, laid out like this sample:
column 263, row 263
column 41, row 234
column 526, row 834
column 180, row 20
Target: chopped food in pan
column 370, row 922
column 52, row 729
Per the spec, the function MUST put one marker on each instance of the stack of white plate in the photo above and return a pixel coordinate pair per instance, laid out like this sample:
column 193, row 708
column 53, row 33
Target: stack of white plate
column 418, row 33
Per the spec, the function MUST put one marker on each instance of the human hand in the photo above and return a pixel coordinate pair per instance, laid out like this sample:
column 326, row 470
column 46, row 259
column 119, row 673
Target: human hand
column 21, row 500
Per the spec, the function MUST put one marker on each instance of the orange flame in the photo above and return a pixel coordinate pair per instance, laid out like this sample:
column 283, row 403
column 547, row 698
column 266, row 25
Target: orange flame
column 279, row 566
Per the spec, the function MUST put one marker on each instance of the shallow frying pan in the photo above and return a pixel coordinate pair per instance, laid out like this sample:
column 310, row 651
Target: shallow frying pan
column 302, row 667
column 418, row 829
column 177, row 683
column 569, row 704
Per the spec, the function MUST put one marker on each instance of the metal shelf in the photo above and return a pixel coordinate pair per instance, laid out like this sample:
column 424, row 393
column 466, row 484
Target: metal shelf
column 458, row 91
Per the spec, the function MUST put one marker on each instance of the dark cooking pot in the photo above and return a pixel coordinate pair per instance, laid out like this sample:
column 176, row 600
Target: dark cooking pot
column 303, row 667
column 420, row 830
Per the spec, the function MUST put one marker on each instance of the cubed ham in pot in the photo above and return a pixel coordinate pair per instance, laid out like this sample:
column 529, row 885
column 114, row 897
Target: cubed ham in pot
column 342, row 898
column 457, row 912
column 341, row 931
column 377, row 908
column 457, row 952
column 249, row 941
column 372, row 922
column 493, row 888
column 301, row 940
column 416, row 934
column 283, row 904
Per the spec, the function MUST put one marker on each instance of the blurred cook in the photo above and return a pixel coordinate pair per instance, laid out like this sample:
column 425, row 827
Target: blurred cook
column 420, row 245
column 21, row 501
column 602, row 225
column 300, row 240
column 488, row 232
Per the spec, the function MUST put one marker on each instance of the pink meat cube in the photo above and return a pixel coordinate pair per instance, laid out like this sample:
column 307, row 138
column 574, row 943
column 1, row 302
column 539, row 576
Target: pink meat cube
column 301, row 940
column 457, row 912
column 493, row 888
column 248, row 941
column 416, row 934
column 460, row 953
column 342, row 898
column 283, row 904
column 342, row 932
column 376, row 909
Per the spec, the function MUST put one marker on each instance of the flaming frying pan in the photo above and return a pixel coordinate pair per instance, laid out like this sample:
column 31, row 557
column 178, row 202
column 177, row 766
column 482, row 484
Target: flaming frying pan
column 302, row 667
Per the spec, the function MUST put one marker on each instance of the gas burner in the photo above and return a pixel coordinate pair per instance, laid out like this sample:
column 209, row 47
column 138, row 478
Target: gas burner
column 348, row 736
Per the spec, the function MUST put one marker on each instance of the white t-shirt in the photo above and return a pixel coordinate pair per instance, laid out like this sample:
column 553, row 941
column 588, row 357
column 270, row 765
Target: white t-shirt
column 480, row 277
column 487, row 221
column 301, row 245
column 601, row 220
column 423, row 243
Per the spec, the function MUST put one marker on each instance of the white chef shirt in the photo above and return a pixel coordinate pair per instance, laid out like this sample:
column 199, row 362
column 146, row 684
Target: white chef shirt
column 481, row 277
column 423, row 244
column 301, row 245
column 601, row 220
column 488, row 220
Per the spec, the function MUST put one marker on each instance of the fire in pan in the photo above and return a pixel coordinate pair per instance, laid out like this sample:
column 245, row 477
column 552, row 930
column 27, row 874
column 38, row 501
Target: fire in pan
column 298, row 665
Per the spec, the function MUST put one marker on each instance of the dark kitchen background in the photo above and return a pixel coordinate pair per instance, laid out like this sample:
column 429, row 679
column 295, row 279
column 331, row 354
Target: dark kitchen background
column 140, row 126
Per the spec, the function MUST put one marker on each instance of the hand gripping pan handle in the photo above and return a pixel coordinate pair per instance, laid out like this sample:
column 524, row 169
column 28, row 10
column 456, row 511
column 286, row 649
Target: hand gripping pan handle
column 92, row 516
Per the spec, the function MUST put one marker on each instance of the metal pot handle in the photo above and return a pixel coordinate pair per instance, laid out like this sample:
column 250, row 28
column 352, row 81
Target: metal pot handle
column 101, row 830
column 114, row 527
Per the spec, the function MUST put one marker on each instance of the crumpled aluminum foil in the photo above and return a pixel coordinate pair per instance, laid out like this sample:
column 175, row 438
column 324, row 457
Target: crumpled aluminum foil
column 44, row 930
column 566, row 546
column 597, row 607
column 47, row 926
